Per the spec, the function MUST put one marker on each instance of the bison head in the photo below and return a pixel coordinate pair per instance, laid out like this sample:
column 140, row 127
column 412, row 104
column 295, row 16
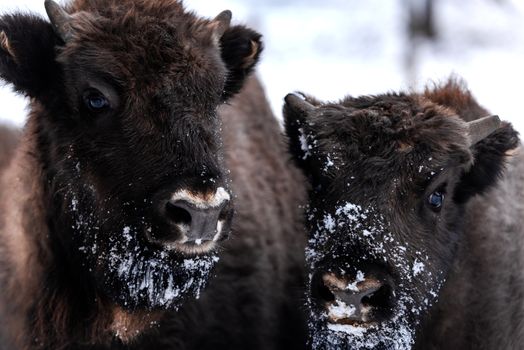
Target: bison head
column 390, row 178
column 124, row 108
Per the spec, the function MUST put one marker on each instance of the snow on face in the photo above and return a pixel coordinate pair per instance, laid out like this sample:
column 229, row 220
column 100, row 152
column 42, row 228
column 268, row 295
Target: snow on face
column 340, row 310
column 353, row 285
column 154, row 278
column 304, row 146
column 348, row 226
column 132, row 273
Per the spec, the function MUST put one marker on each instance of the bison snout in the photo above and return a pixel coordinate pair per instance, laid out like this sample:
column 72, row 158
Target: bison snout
column 198, row 225
column 362, row 299
column 192, row 223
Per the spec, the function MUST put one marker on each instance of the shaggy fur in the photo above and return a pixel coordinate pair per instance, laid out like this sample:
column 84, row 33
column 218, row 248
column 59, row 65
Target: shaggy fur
column 455, row 270
column 86, row 187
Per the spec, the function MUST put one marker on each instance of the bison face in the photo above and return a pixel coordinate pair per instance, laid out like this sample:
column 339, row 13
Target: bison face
column 125, row 101
column 390, row 176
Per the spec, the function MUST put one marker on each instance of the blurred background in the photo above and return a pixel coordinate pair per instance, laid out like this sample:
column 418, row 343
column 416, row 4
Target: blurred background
column 332, row 48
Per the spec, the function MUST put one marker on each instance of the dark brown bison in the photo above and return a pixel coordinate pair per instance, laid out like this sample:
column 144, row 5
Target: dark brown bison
column 120, row 193
column 415, row 231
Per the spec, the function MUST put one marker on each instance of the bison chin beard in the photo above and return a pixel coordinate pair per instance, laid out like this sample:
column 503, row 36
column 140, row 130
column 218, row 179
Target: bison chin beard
column 396, row 333
column 138, row 278
column 124, row 266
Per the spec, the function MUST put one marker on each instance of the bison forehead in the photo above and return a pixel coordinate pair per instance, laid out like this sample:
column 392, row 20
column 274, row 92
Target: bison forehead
column 147, row 50
column 142, row 36
column 399, row 127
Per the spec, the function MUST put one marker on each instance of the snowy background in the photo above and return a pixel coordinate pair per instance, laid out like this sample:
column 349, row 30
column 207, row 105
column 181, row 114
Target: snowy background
column 332, row 48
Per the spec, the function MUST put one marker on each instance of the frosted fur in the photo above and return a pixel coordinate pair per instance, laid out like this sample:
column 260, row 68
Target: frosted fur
column 306, row 148
column 376, row 211
column 156, row 278
column 368, row 227
column 418, row 267
column 152, row 277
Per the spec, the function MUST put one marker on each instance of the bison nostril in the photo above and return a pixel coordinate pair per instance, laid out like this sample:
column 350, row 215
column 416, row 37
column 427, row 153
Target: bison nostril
column 364, row 299
column 195, row 222
column 380, row 298
column 319, row 290
column 189, row 221
column 177, row 214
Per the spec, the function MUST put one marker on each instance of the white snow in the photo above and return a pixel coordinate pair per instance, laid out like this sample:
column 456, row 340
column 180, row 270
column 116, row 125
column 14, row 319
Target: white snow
column 348, row 329
column 418, row 267
column 365, row 226
column 154, row 277
column 329, row 163
column 303, row 144
column 329, row 223
column 340, row 310
column 353, row 285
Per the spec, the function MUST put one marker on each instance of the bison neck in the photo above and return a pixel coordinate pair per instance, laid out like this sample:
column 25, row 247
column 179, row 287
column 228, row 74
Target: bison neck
column 47, row 300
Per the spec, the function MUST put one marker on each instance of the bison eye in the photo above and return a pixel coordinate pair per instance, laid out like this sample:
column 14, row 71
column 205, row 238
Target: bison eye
column 436, row 199
column 95, row 101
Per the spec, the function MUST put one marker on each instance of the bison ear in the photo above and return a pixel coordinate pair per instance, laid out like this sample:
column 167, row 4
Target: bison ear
column 300, row 132
column 27, row 53
column 490, row 154
column 241, row 48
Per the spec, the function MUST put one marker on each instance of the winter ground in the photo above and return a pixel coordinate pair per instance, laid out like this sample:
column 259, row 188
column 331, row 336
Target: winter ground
column 331, row 48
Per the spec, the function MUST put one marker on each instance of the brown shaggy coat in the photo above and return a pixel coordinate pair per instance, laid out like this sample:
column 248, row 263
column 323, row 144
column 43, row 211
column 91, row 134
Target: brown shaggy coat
column 410, row 195
column 253, row 300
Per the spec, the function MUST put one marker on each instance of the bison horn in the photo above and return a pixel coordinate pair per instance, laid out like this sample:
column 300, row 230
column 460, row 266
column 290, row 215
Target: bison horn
column 298, row 102
column 481, row 128
column 221, row 23
column 60, row 20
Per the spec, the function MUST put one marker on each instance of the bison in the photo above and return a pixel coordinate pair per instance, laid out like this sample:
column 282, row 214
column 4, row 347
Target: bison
column 118, row 198
column 415, row 221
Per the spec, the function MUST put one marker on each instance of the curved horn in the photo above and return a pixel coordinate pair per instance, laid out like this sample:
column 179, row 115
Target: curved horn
column 481, row 128
column 221, row 23
column 60, row 20
column 298, row 102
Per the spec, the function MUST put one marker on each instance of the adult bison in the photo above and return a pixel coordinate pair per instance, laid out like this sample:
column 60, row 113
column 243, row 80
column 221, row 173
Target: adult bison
column 415, row 231
column 118, row 197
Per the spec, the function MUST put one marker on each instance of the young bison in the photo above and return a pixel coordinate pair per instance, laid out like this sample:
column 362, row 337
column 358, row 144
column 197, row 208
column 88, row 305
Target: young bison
column 118, row 197
column 415, row 232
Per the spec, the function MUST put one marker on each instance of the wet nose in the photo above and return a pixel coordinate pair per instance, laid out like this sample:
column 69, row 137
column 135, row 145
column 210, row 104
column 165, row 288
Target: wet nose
column 199, row 224
column 363, row 299
column 190, row 218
